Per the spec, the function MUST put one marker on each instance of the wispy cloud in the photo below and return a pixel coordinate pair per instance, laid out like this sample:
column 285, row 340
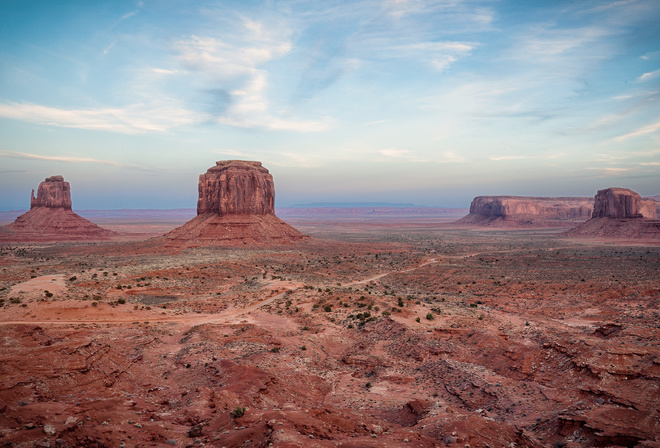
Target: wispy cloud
column 402, row 154
column 611, row 5
column 134, row 119
column 67, row 159
column 234, row 63
column 649, row 76
column 645, row 130
column 521, row 157
column 610, row 171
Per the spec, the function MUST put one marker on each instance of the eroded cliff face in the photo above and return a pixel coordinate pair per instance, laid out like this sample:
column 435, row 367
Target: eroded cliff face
column 53, row 192
column 622, row 203
column 527, row 211
column 236, row 205
column 236, row 187
column 50, row 218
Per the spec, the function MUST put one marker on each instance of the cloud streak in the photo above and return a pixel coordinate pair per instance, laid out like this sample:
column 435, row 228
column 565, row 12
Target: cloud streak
column 67, row 159
column 135, row 119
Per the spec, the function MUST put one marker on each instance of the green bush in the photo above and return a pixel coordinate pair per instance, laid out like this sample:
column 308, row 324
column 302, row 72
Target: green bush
column 430, row 316
column 238, row 412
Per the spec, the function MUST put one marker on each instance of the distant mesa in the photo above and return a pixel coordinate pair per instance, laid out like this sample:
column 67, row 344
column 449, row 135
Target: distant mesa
column 527, row 211
column 50, row 218
column 621, row 213
column 623, row 203
column 236, row 205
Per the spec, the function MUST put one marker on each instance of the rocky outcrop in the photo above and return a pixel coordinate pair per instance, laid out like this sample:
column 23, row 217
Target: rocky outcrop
column 236, row 187
column 527, row 211
column 236, row 205
column 54, row 192
column 50, row 218
column 622, row 203
column 622, row 214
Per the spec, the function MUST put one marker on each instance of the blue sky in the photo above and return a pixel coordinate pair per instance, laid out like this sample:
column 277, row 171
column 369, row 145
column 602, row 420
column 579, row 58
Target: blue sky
column 429, row 102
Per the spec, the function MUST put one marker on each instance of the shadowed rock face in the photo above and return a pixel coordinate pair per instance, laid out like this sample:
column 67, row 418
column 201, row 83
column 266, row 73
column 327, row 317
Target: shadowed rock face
column 236, row 187
column 622, row 203
column 52, row 193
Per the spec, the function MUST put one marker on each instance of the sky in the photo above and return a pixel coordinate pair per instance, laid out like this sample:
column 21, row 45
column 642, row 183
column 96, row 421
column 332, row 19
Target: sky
column 410, row 101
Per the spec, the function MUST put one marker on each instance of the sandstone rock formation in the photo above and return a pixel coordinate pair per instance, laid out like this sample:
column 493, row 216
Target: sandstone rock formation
column 236, row 187
column 622, row 203
column 52, row 193
column 511, row 211
column 620, row 213
column 50, row 218
column 235, row 206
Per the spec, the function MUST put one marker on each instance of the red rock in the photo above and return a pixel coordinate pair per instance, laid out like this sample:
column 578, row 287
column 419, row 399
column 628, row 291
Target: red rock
column 523, row 210
column 235, row 206
column 236, row 187
column 622, row 214
column 50, row 218
column 52, row 193
column 622, row 203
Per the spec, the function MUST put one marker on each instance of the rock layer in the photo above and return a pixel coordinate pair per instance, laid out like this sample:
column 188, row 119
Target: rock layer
column 53, row 192
column 523, row 210
column 50, row 218
column 236, row 187
column 622, row 214
column 622, row 203
column 235, row 206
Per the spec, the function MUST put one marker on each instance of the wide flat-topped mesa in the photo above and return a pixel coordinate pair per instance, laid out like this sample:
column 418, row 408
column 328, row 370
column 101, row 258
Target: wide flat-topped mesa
column 236, row 205
column 512, row 211
column 50, row 218
column 236, row 187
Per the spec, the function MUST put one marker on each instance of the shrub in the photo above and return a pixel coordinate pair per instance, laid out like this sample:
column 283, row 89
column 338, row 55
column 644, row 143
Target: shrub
column 121, row 301
column 430, row 316
column 48, row 294
column 418, row 320
column 275, row 349
column 73, row 279
column 327, row 308
column 238, row 412
column 15, row 300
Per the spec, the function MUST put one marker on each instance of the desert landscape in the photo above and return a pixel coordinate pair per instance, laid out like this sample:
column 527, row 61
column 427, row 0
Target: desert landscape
column 371, row 327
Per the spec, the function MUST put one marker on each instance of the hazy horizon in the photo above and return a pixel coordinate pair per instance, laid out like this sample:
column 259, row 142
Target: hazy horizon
column 402, row 101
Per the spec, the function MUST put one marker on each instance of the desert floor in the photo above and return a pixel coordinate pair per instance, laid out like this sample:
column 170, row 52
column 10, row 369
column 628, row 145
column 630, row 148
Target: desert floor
column 369, row 334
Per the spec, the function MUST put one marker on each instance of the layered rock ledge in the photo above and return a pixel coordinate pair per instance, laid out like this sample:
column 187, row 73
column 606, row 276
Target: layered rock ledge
column 513, row 211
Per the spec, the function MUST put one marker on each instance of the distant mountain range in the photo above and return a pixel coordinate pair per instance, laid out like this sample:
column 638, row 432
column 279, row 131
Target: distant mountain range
column 356, row 204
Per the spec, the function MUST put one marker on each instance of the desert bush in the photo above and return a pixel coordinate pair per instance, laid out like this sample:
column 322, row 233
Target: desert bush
column 327, row 308
column 430, row 316
column 15, row 300
column 48, row 294
column 418, row 320
column 238, row 412
column 73, row 279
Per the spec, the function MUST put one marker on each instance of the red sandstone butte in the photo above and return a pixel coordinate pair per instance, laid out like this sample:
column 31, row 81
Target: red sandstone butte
column 512, row 211
column 51, row 219
column 236, row 205
column 620, row 213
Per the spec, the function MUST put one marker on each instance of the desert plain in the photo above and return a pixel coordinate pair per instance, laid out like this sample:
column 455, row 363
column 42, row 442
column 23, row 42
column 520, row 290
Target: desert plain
column 393, row 332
